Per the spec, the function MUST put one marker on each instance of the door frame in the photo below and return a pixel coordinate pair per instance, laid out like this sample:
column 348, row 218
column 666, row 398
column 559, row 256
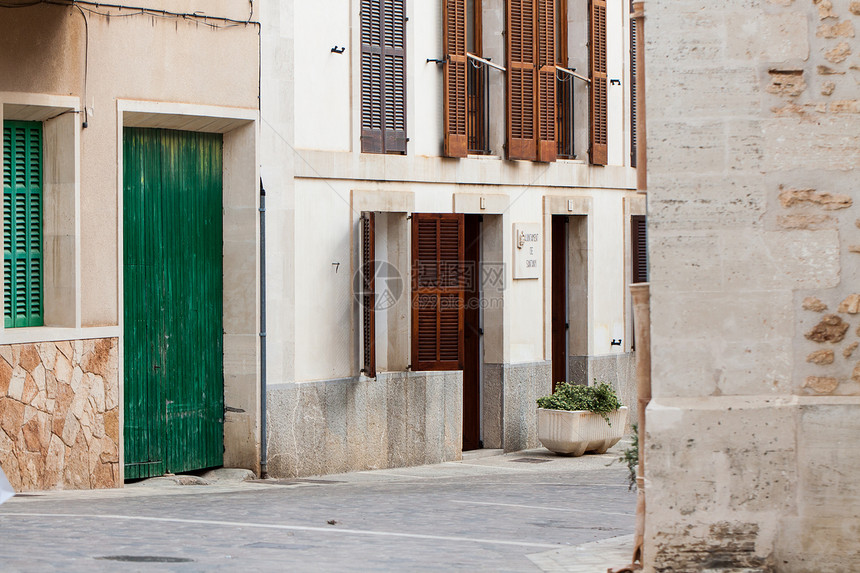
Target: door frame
column 559, row 301
column 494, row 210
column 633, row 205
column 241, row 198
column 571, row 205
column 173, row 252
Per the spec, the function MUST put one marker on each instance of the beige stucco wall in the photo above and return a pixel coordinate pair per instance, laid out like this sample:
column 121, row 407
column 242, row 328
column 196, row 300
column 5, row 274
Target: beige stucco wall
column 753, row 140
column 136, row 57
column 113, row 68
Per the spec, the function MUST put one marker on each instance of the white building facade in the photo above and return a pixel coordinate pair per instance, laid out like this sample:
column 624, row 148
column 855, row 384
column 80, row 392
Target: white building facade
column 448, row 149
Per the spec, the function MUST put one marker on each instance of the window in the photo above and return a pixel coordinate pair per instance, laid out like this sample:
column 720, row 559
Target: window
column 597, row 62
column 466, row 78
column 368, row 293
column 565, row 84
column 454, row 40
column 478, row 83
column 531, row 67
column 638, row 263
column 540, row 86
column 639, row 248
column 633, row 31
column 383, row 76
column 437, row 291
column 382, row 252
column 22, row 224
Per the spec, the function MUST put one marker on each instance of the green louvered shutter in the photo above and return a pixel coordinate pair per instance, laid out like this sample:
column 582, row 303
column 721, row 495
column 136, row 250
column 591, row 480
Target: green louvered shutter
column 22, row 224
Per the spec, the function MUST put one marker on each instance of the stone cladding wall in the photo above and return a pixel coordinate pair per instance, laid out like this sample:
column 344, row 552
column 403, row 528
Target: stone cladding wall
column 59, row 415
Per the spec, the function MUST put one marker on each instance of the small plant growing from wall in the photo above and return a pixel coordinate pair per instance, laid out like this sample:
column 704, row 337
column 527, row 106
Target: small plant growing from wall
column 630, row 457
column 600, row 399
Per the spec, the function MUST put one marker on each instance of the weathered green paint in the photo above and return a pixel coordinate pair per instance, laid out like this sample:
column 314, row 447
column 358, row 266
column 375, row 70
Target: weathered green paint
column 22, row 224
column 173, row 286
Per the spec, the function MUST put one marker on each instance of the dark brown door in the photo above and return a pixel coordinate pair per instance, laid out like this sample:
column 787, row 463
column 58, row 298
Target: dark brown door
column 472, row 335
column 559, row 299
column 437, row 291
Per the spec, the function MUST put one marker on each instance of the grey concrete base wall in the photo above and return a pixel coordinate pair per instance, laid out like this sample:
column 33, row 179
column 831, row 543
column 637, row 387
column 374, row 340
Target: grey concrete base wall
column 334, row 426
column 521, row 385
column 617, row 370
column 492, row 406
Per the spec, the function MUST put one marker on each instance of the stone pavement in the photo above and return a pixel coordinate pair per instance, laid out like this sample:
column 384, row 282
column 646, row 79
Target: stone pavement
column 588, row 557
column 527, row 511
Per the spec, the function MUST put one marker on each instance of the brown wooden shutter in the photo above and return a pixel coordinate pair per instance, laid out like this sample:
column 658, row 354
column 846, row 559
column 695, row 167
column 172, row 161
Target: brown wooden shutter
column 394, row 70
column 547, row 145
column 522, row 79
column 454, row 42
column 632, row 89
column 372, row 108
column 437, row 291
column 368, row 293
column 598, row 108
column 383, row 76
column 639, row 247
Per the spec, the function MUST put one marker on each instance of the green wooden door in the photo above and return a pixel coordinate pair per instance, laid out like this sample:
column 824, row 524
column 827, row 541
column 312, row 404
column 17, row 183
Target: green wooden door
column 173, row 287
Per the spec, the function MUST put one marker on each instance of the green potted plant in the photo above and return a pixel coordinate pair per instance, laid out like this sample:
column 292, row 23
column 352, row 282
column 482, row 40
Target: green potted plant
column 576, row 419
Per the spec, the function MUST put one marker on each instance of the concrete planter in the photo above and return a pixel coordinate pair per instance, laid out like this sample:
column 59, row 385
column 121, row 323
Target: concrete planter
column 580, row 431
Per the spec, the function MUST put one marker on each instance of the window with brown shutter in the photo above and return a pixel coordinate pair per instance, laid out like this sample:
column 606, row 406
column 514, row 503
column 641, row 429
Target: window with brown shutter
column 598, row 107
column 437, row 291
column 531, row 80
column 383, row 76
column 368, row 293
column 546, row 80
column 454, row 77
column 633, row 25
column 565, row 120
column 639, row 247
column 561, row 47
column 521, row 79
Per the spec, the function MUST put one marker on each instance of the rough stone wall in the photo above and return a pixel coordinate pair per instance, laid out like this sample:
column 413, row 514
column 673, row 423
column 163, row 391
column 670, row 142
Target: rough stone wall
column 59, row 415
column 398, row 419
column 754, row 237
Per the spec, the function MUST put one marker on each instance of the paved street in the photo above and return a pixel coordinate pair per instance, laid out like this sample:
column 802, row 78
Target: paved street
column 528, row 511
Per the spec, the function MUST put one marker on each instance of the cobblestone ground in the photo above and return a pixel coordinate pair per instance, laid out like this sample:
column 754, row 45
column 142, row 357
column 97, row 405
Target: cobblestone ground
column 528, row 511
